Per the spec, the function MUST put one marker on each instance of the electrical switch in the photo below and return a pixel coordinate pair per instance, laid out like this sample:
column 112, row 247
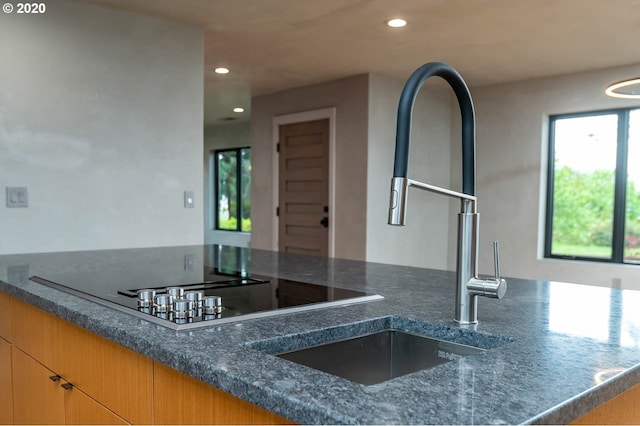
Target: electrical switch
column 17, row 196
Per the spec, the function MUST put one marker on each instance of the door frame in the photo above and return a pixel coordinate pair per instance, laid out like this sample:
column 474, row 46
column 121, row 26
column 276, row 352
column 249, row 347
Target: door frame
column 300, row 117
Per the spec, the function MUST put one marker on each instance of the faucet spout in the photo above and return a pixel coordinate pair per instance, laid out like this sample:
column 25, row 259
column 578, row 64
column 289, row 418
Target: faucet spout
column 468, row 285
column 405, row 112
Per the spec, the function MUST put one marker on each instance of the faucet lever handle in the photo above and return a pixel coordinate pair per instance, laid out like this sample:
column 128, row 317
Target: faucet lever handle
column 496, row 260
column 491, row 287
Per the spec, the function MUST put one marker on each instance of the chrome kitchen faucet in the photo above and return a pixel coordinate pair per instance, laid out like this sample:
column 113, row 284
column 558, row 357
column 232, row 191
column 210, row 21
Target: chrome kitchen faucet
column 468, row 285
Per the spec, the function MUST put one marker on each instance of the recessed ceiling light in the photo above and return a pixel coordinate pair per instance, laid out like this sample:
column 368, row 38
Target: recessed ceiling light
column 222, row 70
column 238, row 109
column 396, row 23
column 627, row 89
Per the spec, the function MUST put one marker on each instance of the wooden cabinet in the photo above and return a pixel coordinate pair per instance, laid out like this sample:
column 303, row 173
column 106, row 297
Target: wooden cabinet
column 80, row 409
column 43, row 397
column 624, row 409
column 36, row 333
column 120, row 379
column 180, row 399
column 37, row 399
column 5, row 317
column 6, row 385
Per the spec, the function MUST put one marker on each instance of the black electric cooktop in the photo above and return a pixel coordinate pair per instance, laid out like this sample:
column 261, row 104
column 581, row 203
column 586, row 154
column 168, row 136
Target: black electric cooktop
column 242, row 295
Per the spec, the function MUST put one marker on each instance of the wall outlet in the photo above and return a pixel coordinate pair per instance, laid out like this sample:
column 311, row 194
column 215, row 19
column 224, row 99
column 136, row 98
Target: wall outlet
column 188, row 199
column 17, row 196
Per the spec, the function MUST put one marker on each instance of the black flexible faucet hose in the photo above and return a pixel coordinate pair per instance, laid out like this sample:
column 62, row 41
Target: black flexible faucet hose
column 405, row 112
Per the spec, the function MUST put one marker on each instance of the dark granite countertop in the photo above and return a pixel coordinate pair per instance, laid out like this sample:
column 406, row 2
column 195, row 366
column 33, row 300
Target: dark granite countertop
column 556, row 350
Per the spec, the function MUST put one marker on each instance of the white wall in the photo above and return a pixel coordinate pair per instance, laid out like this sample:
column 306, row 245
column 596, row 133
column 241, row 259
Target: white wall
column 512, row 140
column 426, row 238
column 349, row 97
column 230, row 135
column 101, row 118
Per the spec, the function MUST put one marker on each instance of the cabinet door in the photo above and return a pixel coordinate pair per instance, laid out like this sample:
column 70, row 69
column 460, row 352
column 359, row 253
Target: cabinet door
column 36, row 398
column 5, row 317
column 37, row 333
column 117, row 377
column 6, row 385
column 180, row 399
column 82, row 410
column 624, row 409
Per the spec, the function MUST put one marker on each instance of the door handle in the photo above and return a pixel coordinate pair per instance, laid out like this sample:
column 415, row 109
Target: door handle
column 325, row 222
column 55, row 378
column 67, row 386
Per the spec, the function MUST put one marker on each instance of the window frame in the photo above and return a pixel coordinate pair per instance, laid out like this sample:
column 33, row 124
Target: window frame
column 239, row 183
column 620, row 186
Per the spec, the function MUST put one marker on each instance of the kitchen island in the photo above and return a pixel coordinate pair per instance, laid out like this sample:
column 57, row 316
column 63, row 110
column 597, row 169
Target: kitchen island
column 554, row 351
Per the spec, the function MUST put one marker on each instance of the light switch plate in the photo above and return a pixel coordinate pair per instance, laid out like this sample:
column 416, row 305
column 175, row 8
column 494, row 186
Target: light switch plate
column 17, row 196
column 188, row 199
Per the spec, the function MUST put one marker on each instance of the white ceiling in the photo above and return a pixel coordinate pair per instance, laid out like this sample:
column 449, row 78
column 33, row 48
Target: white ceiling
column 273, row 45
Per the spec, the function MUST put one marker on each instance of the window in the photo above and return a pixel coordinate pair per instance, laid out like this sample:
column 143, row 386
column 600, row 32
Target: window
column 593, row 194
column 232, row 189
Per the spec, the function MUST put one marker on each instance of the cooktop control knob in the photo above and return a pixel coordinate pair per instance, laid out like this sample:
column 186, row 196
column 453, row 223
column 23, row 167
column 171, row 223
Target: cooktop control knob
column 176, row 292
column 182, row 309
column 195, row 297
column 212, row 305
column 145, row 298
column 163, row 303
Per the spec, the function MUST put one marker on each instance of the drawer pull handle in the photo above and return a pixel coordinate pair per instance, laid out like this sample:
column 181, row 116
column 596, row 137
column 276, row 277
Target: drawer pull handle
column 55, row 378
column 67, row 386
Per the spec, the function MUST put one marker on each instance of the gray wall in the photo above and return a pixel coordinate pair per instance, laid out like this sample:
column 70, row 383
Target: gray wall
column 101, row 118
column 512, row 162
column 349, row 97
column 512, row 140
column 366, row 108
column 231, row 135
column 425, row 240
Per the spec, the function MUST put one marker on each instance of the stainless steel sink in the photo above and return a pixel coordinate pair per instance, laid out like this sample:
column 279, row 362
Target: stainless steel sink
column 380, row 356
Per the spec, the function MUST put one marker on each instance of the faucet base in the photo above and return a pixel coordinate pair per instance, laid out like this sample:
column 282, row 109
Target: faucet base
column 466, row 267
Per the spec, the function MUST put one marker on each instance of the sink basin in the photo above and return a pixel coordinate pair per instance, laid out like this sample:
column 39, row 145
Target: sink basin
column 375, row 350
column 380, row 356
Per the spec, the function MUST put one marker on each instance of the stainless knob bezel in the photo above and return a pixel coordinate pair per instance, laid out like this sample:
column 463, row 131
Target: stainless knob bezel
column 212, row 305
column 195, row 297
column 182, row 309
column 175, row 292
column 163, row 303
column 146, row 297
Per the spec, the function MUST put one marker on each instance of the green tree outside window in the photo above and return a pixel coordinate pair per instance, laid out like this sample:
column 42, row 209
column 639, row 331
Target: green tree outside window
column 593, row 205
column 233, row 189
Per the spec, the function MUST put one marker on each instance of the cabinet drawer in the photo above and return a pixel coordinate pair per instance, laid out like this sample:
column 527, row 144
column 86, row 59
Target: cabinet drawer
column 116, row 377
column 35, row 332
column 5, row 317
column 36, row 398
column 180, row 399
column 120, row 379
column 6, row 385
column 82, row 410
